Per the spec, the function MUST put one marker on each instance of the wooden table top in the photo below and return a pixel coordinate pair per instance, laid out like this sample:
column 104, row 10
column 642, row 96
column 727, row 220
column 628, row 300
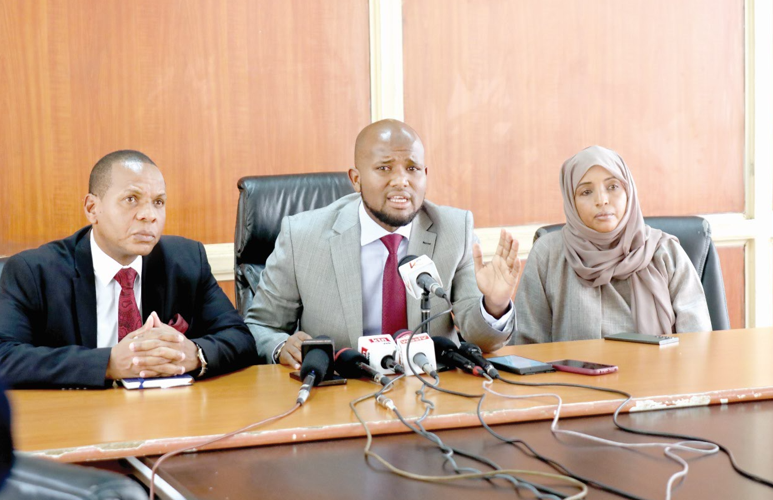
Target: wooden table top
column 78, row 425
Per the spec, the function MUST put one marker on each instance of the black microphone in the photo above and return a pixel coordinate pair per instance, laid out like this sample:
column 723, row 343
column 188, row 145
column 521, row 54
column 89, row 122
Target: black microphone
column 351, row 364
column 315, row 365
column 447, row 352
column 474, row 354
column 388, row 363
column 423, row 276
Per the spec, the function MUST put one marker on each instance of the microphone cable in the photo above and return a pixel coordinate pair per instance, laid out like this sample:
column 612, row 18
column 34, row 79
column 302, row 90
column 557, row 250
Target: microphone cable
column 556, row 465
column 632, row 430
column 668, row 448
column 445, row 478
column 207, row 442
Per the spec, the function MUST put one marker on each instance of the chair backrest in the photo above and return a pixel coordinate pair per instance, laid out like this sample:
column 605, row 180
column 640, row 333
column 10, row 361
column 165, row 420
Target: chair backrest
column 694, row 235
column 263, row 202
column 2, row 263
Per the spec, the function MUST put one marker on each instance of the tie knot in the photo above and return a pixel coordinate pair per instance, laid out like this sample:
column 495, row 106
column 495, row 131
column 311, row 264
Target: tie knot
column 392, row 242
column 125, row 277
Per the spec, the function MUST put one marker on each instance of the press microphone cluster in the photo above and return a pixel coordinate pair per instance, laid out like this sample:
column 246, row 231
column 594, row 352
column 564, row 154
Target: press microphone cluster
column 474, row 354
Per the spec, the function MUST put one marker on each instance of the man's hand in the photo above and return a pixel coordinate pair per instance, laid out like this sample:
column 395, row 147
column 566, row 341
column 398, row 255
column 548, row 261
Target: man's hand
column 154, row 350
column 497, row 279
column 291, row 352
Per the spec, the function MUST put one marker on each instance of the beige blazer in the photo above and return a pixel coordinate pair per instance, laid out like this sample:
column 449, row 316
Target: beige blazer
column 312, row 280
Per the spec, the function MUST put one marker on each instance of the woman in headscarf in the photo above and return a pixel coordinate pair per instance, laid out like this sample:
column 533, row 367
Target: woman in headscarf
column 606, row 271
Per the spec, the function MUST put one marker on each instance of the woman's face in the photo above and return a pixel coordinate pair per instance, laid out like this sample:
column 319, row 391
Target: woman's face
column 600, row 199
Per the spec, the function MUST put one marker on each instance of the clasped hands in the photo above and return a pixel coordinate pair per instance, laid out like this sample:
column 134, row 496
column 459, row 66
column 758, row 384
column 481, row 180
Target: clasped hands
column 153, row 350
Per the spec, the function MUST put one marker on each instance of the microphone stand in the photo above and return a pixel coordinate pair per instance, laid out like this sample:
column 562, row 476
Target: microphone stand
column 425, row 310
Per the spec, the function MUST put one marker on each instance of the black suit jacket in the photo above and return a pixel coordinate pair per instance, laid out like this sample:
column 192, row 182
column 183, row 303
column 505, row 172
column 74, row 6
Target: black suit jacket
column 48, row 312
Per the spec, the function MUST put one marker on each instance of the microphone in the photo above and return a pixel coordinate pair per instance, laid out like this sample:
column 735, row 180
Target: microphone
column 315, row 365
column 447, row 352
column 380, row 353
column 351, row 364
column 474, row 354
column 420, row 274
column 422, row 350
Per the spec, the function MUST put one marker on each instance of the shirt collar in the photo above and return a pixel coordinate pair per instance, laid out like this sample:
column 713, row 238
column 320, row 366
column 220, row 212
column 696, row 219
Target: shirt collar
column 105, row 267
column 370, row 230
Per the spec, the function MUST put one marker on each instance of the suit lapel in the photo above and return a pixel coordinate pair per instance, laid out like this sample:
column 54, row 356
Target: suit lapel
column 345, row 252
column 153, row 291
column 85, row 293
column 421, row 242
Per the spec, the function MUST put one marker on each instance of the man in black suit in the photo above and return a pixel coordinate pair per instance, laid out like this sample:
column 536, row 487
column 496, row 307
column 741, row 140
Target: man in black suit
column 116, row 299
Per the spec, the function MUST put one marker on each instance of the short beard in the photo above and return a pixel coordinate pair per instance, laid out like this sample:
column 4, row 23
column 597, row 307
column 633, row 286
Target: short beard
column 390, row 220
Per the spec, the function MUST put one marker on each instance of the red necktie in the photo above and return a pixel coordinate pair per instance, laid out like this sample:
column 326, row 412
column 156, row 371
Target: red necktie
column 393, row 314
column 128, row 313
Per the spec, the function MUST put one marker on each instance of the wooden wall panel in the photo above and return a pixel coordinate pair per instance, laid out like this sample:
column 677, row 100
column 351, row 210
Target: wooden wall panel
column 211, row 90
column 503, row 92
column 732, row 260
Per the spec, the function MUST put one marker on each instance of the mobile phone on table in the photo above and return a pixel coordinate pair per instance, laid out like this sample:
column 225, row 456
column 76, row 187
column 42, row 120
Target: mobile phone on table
column 644, row 339
column 519, row 365
column 333, row 380
column 582, row 367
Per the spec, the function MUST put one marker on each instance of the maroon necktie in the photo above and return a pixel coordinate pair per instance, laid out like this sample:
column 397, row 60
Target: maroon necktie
column 393, row 315
column 128, row 313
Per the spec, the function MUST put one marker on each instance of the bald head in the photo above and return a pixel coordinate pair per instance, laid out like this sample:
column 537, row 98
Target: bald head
column 385, row 134
column 102, row 173
column 389, row 172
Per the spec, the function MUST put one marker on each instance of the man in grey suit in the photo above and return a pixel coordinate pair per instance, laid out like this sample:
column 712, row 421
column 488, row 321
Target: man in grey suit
column 334, row 270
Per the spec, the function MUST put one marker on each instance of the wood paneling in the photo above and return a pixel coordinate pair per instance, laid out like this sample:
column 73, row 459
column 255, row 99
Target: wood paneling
column 503, row 92
column 211, row 90
column 732, row 260
column 229, row 287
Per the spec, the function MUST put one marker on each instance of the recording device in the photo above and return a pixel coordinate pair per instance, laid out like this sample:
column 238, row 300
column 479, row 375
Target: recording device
column 351, row 364
column 519, row 365
column 583, row 367
column 644, row 339
column 317, row 364
column 474, row 354
column 380, row 351
column 447, row 352
column 422, row 352
column 420, row 275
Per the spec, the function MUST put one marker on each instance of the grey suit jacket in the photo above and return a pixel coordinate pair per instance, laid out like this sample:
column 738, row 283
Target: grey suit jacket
column 312, row 280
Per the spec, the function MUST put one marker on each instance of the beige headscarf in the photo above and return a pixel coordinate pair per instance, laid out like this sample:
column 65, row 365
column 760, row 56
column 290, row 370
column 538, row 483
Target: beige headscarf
column 626, row 252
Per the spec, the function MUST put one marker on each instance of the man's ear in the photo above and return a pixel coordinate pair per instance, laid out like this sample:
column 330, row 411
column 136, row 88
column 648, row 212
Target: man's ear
column 354, row 178
column 91, row 207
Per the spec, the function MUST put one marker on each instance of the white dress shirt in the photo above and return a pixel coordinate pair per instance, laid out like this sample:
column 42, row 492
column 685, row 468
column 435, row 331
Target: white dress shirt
column 108, row 292
column 373, row 257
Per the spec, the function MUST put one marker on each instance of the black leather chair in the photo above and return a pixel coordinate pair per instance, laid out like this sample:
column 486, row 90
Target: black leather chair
column 39, row 479
column 694, row 235
column 2, row 263
column 263, row 202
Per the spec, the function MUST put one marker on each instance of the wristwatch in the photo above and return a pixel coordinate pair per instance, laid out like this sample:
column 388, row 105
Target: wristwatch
column 278, row 352
column 202, row 359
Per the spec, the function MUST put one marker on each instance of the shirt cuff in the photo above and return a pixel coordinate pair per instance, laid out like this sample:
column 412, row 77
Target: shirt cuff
column 497, row 324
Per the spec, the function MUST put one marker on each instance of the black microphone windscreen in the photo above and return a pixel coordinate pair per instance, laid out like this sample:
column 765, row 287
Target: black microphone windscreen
column 315, row 360
column 443, row 346
column 406, row 259
column 346, row 363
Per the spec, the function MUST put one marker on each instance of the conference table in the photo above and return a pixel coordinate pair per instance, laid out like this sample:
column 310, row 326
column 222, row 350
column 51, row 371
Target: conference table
column 716, row 385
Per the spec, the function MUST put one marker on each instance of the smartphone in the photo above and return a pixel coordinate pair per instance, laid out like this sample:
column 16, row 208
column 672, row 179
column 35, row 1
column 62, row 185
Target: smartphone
column 333, row 380
column 324, row 343
column 644, row 339
column 582, row 367
column 519, row 365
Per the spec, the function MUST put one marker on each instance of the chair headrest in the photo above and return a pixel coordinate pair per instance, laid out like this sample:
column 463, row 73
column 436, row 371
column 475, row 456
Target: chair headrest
column 265, row 200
